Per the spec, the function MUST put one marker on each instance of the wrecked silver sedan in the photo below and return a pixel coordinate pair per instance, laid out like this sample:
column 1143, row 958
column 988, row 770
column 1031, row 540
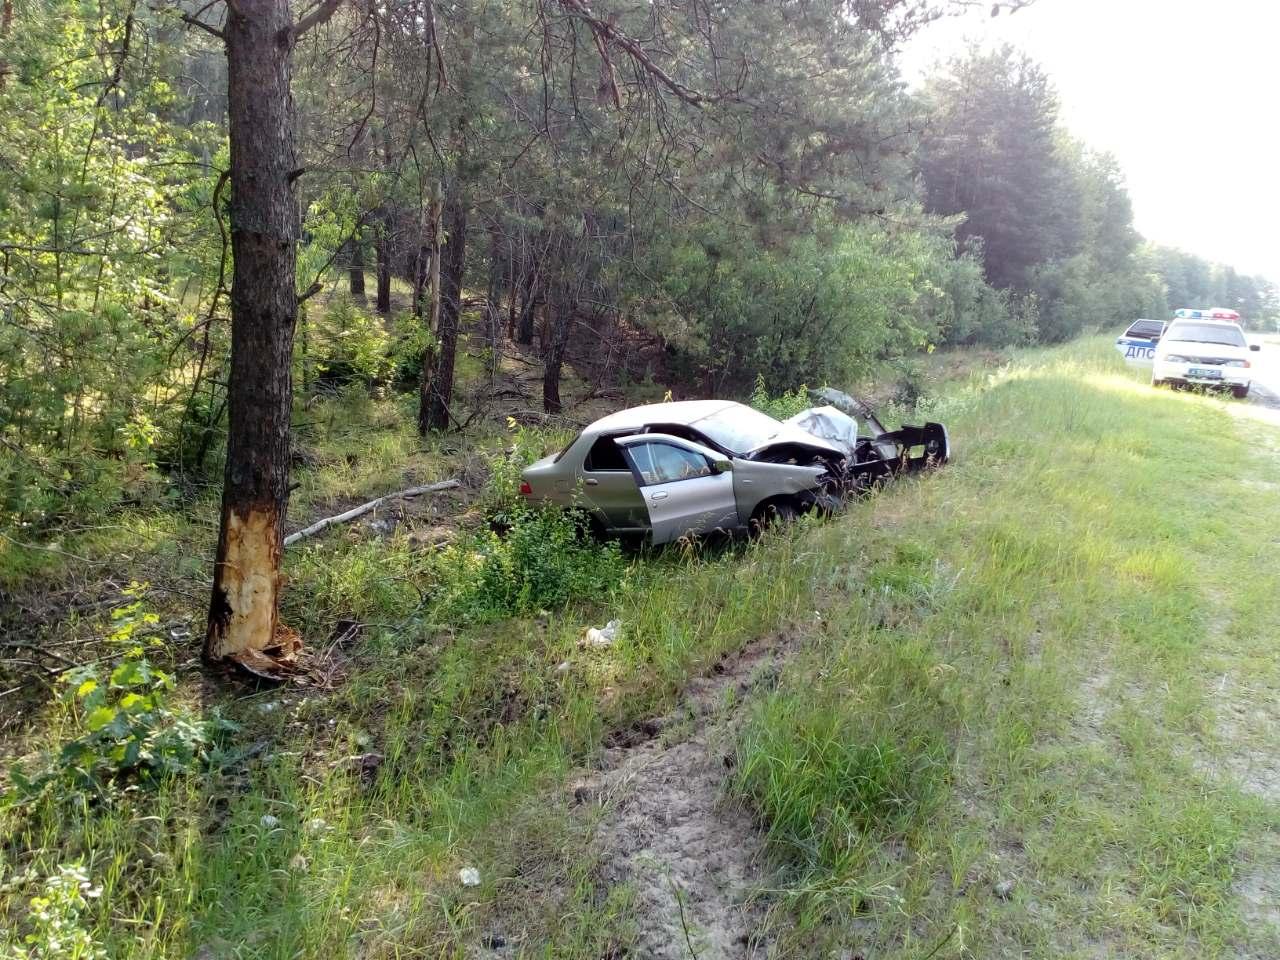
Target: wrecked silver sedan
column 670, row 469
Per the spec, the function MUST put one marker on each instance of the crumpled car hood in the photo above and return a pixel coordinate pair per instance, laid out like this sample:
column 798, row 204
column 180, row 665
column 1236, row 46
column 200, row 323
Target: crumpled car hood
column 790, row 433
column 829, row 424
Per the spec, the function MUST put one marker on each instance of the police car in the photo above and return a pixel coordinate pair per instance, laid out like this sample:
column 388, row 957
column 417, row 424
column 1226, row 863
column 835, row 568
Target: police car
column 1204, row 348
column 1138, row 344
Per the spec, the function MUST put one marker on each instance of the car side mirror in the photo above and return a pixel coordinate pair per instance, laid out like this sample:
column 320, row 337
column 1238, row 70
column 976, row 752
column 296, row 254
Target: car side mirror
column 722, row 466
column 1255, row 347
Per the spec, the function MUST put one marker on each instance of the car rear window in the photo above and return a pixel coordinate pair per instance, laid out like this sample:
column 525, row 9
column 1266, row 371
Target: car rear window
column 605, row 454
column 1221, row 333
column 1146, row 329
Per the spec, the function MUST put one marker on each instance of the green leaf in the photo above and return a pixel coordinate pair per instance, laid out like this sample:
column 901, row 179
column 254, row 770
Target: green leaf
column 136, row 702
column 131, row 673
column 99, row 718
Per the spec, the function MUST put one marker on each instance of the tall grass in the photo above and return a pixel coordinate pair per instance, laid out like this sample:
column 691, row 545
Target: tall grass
column 1000, row 678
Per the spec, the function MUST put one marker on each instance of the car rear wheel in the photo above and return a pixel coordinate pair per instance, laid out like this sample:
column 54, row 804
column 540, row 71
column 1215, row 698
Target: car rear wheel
column 1240, row 392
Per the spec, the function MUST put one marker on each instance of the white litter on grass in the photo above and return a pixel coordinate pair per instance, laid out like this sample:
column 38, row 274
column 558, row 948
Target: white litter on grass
column 317, row 825
column 469, row 876
column 603, row 636
column 269, row 822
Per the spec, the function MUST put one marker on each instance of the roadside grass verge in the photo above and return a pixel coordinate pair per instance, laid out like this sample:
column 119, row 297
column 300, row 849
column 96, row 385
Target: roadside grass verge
column 1004, row 733
column 1024, row 685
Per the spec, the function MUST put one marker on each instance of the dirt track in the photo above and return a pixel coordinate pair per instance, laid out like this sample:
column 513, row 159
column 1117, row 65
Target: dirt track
column 693, row 857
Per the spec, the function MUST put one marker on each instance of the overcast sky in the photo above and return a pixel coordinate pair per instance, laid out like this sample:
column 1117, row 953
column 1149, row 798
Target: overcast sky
column 1181, row 91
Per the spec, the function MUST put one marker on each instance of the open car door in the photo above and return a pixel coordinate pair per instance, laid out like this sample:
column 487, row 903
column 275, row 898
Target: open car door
column 1138, row 343
column 687, row 488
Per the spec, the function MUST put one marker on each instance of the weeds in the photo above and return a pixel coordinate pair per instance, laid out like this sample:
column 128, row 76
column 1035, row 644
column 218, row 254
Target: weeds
column 127, row 732
column 780, row 406
column 543, row 562
column 1013, row 685
column 55, row 921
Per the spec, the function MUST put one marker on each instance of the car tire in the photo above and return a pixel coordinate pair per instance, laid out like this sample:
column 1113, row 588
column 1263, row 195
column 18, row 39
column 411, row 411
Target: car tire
column 1240, row 392
column 774, row 514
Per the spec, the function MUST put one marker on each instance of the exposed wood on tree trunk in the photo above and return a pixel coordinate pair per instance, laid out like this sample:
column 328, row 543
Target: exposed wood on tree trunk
column 264, row 232
column 422, row 263
column 364, row 508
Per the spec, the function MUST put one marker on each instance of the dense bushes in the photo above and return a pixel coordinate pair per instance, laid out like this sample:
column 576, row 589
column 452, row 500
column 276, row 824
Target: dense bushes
column 544, row 561
column 820, row 307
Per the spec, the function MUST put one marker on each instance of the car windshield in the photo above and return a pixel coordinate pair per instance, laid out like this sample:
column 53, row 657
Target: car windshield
column 739, row 429
column 1219, row 333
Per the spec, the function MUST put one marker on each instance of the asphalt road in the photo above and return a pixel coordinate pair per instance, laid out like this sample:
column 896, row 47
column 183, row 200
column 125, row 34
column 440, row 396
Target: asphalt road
column 1266, row 374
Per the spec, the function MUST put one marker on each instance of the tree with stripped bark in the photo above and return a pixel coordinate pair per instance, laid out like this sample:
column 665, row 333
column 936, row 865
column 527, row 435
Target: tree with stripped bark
column 259, row 37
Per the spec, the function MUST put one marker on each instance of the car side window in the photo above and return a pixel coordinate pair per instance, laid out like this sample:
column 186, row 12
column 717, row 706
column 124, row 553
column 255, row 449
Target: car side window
column 664, row 463
column 1145, row 330
column 605, row 454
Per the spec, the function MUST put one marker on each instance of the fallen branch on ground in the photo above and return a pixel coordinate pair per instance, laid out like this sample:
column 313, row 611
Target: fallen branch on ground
column 364, row 508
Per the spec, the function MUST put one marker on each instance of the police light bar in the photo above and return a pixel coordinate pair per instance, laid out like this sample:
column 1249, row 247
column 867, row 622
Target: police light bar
column 1217, row 313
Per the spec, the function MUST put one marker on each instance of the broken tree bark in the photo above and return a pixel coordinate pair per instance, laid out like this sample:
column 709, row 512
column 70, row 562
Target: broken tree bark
column 264, row 304
column 364, row 508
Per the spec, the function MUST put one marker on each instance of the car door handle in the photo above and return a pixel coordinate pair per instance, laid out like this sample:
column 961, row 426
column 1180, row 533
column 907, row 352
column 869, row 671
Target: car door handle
column 660, row 495
column 591, row 482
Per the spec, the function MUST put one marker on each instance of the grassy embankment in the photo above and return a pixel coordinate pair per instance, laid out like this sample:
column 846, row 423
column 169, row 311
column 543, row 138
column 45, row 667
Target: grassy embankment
column 1029, row 719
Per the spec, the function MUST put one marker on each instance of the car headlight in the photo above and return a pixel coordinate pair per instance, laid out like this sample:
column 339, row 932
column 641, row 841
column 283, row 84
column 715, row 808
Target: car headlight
column 1176, row 358
column 1236, row 363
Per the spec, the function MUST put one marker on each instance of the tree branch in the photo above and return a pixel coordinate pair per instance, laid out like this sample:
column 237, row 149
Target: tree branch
column 606, row 32
column 197, row 22
column 318, row 15
column 364, row 508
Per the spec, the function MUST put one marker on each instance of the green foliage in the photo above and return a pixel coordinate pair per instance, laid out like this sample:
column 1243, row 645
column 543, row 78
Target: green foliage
column 526, row 560
column 544, row 561
column 821, row 307
column 784, row 405
column 993, row 157
column 346, row 342
column 502, row 489
column 55, row 925
column 127, row 731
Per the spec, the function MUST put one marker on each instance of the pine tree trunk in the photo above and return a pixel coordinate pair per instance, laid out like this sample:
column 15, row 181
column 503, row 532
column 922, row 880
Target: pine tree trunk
column 427, row 380
column 452, row 268
column 558, row 309
column 356, row 273
column 6, row 24
column 264, row 233
column 382, row 248
column 529, row 306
